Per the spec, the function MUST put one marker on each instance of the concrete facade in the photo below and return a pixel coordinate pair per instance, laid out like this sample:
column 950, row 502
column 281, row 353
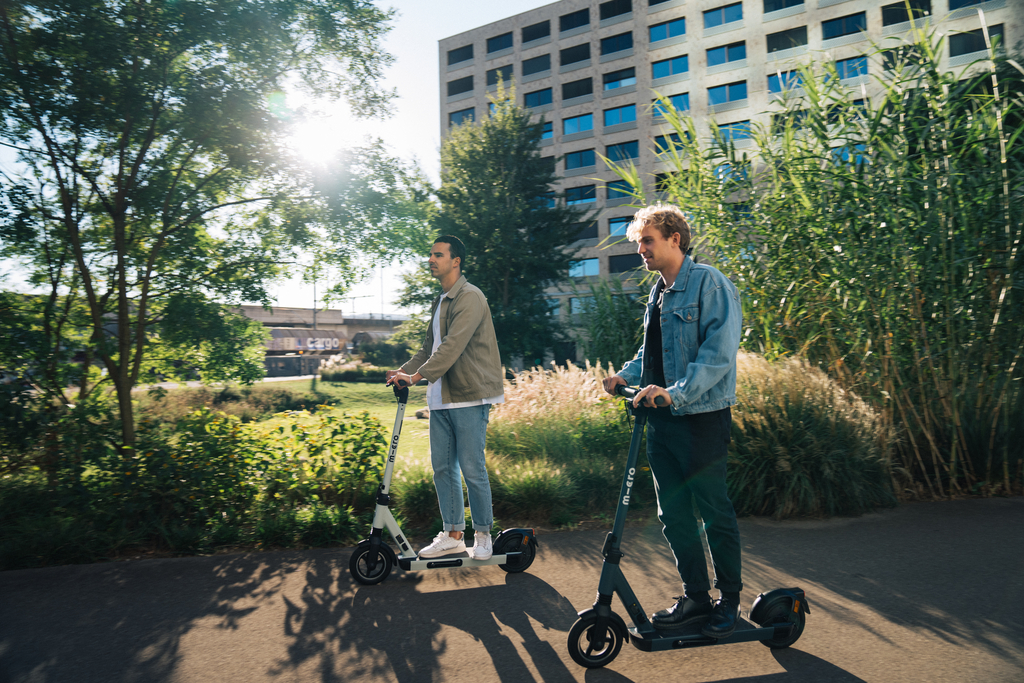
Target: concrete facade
column 753, row 30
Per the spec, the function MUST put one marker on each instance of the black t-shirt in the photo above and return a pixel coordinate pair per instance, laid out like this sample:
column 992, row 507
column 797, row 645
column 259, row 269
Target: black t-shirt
column 654, row 358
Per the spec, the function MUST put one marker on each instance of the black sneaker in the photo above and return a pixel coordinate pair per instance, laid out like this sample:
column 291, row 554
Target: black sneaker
column 684, row 612
column 723, row 619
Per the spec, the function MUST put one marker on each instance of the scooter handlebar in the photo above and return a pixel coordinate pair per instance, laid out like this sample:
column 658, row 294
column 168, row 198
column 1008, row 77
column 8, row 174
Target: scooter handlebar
column 631, row 392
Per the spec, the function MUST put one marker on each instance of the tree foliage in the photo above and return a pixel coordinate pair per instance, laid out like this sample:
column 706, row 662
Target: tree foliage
column 496, row 196
column 153, row 181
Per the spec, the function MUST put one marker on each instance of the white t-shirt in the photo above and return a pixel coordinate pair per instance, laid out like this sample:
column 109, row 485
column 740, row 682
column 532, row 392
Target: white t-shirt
column 434, row 400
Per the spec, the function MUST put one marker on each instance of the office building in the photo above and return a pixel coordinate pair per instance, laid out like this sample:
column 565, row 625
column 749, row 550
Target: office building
column 592, row 69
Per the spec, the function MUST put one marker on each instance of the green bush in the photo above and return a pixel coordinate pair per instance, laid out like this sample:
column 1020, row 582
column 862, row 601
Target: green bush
column 249, row 404
column 384, row 353
column 803, row 446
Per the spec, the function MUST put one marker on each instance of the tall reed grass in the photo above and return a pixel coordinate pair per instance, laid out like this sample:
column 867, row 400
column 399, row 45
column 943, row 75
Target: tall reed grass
column 876, row 231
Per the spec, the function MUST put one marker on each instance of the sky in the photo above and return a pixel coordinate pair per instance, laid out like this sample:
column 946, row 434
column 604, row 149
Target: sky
column 413, row 130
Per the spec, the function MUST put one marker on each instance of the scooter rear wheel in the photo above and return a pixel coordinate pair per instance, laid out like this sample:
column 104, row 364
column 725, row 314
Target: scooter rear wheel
column 358, row 567
column 516, row 542
column 781, row 612
column 588, row 649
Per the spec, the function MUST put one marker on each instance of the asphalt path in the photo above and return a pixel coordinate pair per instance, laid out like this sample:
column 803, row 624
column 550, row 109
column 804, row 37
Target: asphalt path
column 925, row 592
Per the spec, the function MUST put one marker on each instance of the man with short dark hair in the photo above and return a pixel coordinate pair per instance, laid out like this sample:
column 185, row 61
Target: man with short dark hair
column 691, row 338
column 459, row 358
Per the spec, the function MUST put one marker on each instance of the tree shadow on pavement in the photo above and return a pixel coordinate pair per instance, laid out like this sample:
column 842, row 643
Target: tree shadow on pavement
column 395, row 629
column 125, row 621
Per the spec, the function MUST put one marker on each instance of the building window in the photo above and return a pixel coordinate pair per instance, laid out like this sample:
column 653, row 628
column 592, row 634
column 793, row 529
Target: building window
column 554, row 307
column 581, row 195
column 536, row 65
column 611, row 44
column 795, row 119
column 678, row 102
column 547, row 199
column 537, row 98
column 723, row 15
column 974, row 41
column 776, row 5
column 576, row 53
column 536, row 31
column 619, row 115
column 663, row 143
column 617, row 226
column 897, row 13
column 667, row 29
column 578, row 124
column 548, row 131
column 460, row 54
column 457, row 118
column 622, row 263
column 670, row 67
column 620, row 79
column 730, row 92
column 614, row 8
column 587, row 231
column 460, row 85
column 735, row 131
column 957, row 4
column 724, row 54
column 568, row 22
column 623, row 151
column 502, row 73
column 784, row 40
column 784, row 81
column 582, row 159
column 584, row 268
column 844, row 26
column 579, row 88
column 618, row 189
column 652, row 3
column 663, row 182
column 852, row 67
column 502, row 42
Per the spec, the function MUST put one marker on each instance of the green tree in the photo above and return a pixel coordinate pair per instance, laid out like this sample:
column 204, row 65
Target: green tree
column 496, row 196
column 154, row 182
column 611, row 324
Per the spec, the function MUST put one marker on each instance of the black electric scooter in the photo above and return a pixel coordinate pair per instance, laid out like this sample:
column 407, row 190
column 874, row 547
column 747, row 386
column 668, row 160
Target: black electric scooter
column 372, row 561
column 596, row 637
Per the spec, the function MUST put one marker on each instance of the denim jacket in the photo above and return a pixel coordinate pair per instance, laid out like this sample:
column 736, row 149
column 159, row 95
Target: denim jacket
column 701, row 323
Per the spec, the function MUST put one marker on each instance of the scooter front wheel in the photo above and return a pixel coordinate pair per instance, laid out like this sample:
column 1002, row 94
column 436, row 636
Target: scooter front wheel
column 591, row 649
column 359, row 567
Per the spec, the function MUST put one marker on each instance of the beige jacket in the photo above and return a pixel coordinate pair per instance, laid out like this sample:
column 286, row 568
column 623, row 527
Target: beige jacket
column 467, row 357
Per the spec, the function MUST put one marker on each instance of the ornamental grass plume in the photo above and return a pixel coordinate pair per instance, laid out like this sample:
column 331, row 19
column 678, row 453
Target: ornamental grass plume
column 803, row 446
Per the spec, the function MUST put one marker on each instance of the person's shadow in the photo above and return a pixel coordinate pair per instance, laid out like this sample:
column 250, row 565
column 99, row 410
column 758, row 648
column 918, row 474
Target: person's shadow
column 396, row 628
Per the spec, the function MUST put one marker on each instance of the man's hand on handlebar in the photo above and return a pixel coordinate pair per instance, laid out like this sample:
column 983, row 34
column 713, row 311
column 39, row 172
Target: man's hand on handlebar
column 611, row 382
column 650, row 396
column 400, row 379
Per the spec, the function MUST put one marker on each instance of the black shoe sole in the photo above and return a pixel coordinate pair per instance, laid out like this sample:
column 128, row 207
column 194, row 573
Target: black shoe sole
column 718, row 635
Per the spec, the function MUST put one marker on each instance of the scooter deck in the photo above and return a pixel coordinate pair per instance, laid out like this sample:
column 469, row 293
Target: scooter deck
column 690, row 636
column 460, row 560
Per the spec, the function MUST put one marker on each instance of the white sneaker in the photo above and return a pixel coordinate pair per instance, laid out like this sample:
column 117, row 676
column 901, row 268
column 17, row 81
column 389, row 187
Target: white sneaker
column 442, row 545
column 482, row 549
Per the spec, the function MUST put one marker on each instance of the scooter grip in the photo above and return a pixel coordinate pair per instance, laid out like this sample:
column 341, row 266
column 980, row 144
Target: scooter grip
column 631, row 392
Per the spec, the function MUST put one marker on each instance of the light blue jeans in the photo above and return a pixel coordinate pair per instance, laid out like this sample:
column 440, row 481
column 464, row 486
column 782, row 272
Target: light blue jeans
column 457, row 439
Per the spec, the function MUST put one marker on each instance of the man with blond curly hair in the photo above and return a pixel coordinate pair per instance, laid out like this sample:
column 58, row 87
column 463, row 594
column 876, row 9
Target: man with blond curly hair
column 688, row 358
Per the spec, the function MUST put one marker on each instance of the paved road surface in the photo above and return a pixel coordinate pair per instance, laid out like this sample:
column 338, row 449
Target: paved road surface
column 927, row 592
